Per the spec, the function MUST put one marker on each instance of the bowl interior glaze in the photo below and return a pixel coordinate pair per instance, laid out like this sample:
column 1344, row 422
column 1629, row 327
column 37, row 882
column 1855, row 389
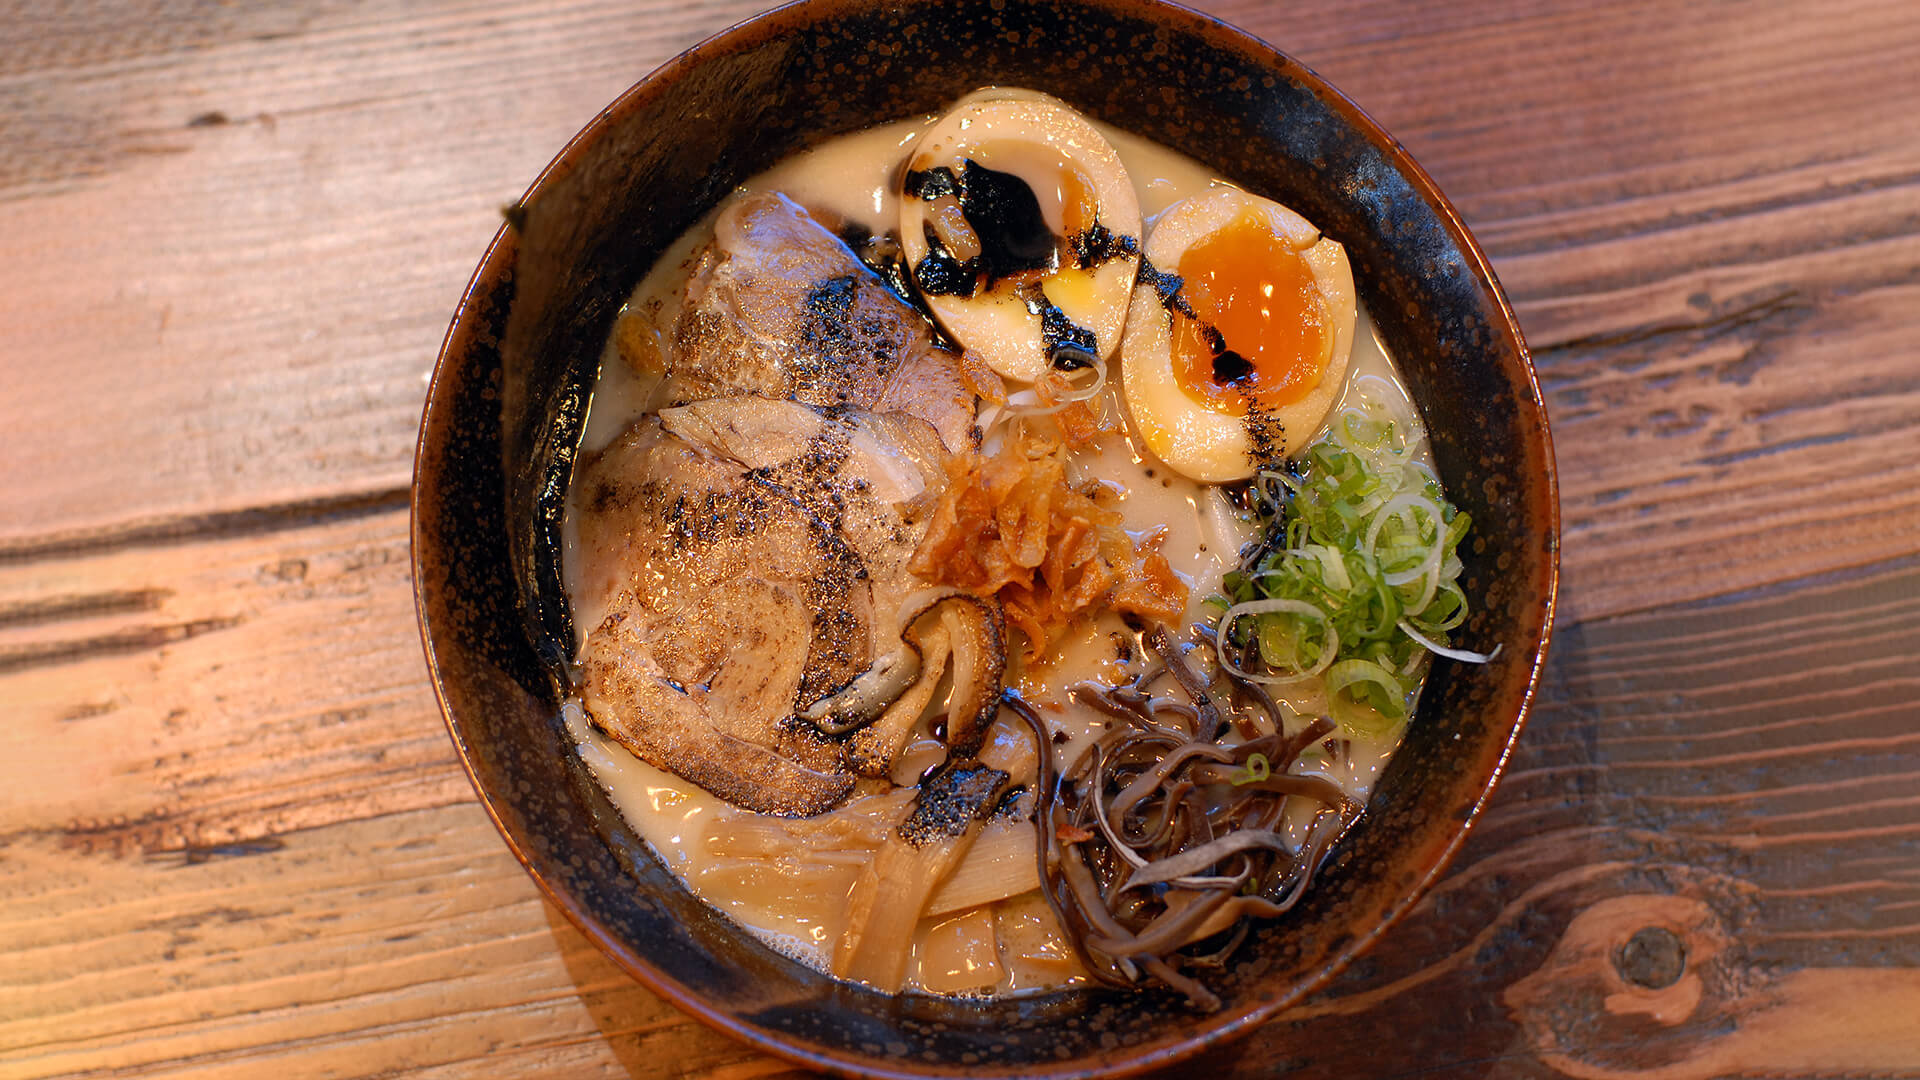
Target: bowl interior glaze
column 504, row 412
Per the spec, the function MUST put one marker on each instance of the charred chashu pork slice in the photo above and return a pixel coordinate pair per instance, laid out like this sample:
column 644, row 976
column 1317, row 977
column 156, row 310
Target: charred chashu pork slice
column 745, row 557
column 779, row 307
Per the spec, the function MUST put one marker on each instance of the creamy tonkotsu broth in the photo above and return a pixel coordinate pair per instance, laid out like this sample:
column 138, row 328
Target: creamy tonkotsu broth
column 985, row 927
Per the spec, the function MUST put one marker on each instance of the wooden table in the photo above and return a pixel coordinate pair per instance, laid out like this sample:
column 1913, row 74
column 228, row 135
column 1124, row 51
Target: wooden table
column 235, row 842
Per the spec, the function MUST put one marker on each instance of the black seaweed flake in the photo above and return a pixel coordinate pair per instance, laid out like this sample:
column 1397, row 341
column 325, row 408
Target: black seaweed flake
column 1006, row 217
column 940, row 274
column 1230, row 367
column 1098, row 244
column 1166, row 286
column 1266, row 435
column 1069, row 346
column 951, row 797
column 931, row 184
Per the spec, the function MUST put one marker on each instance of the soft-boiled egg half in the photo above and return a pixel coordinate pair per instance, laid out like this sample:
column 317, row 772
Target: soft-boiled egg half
column 1237, row 337
column 1022, row 230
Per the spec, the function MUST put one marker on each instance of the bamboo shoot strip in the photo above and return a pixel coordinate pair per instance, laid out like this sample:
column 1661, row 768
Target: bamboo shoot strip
column 891, row 894
column 999, row 865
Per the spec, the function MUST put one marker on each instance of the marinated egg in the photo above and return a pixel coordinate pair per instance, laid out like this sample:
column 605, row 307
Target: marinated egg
column 1238, row 334
column 1021, row 229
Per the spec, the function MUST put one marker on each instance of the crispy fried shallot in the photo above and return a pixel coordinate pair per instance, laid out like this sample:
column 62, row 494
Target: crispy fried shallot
column 1081, row 424
column 1013, row 525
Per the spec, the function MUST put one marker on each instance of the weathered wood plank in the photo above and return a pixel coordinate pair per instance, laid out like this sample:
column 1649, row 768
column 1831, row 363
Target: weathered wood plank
column 1742, row 268
column 410, row 944
column 233, row 838
column 1738, row 773
column 196, row 694
column 263, row 221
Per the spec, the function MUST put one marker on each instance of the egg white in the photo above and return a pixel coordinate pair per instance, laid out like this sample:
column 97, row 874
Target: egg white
column 1186, row 433
column 1030, row 135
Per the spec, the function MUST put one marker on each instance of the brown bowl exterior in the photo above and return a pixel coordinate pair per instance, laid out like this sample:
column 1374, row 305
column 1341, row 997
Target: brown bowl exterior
column 504, row 411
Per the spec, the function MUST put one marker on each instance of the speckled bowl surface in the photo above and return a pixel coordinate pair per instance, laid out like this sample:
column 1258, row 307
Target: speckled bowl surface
column 504, row 412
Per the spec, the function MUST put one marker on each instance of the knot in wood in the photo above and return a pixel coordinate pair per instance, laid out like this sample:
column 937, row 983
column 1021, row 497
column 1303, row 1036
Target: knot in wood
column 1654, row 958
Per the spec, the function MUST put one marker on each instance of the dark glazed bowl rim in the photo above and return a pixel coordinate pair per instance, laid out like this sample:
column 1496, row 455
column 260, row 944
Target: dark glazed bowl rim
column 1202, row 1031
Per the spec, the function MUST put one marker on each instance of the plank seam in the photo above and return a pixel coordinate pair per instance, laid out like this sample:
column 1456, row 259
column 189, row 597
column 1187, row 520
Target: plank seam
column 193, row 528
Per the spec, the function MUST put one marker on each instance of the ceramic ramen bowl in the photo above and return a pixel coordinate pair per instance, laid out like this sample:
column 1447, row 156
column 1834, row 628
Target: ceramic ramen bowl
column 504, row 415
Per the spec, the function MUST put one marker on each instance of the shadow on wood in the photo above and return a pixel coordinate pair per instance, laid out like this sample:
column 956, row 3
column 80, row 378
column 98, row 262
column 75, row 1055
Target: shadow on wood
column 643, row 1031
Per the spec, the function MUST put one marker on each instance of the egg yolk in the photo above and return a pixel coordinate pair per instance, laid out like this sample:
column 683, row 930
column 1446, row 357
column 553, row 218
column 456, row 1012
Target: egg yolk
column 1261, row 330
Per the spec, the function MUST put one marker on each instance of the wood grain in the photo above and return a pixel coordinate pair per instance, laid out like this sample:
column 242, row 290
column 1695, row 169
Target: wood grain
column 329, row 956
column 193, row 694
column 1649, row 793
column 1655, row 789
column 234, row 840
column 1717, row 273
column 1671, row 213
column 264, row 220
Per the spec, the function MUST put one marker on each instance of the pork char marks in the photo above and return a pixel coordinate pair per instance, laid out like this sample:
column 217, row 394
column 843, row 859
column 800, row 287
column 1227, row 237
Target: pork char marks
column 779, row 307
column 744, row 557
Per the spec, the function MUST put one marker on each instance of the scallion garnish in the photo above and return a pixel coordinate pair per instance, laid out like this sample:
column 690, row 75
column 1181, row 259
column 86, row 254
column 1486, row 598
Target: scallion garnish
column 1256, row 769
column 1357, row 585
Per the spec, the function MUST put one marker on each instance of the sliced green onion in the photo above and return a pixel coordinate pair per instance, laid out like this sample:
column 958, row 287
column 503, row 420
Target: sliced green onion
column 1256, row 769
column 1372, row 688
column 1358, row 588
column 1336, row 575
column 1364, row 431
column 1328, row 648
column 1442, row 650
